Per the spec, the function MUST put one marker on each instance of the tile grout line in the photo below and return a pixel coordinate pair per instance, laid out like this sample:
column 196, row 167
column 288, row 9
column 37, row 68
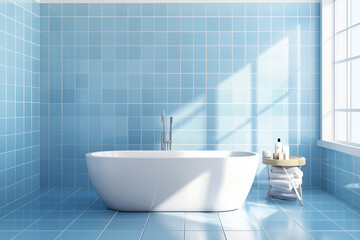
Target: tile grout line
column 31, row 11
column 102, row 232
column 1, row 218
column 44, row 214
column 342, row 169
column 320, row 211
column 23, row 197
column 48, row 107
column 143, row 230
column 263, row 229
column 284, row 210
column 337, row 185
column 76, row 218
column 185, row 213
column 317, row 210
column 339, row 201
column 21, row 50
column 222, row 227
column 333, row 220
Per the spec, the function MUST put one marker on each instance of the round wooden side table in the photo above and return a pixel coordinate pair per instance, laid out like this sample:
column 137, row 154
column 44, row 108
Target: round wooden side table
column 294, row 161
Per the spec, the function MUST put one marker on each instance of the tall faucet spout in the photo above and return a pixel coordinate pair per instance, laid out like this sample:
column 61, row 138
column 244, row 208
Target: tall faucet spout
column 162, row 115
column 163, row 145
column 170, row 137
column 166, row 144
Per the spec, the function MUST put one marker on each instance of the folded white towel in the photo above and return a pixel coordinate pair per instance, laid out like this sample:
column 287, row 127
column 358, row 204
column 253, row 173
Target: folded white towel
column 281, row 189
column 280, row 176
column 275, row 175
column 286, row 183
column 298, row 174
column 287, row 188
column 282, row 195
column 283, row 182
column 289, row 170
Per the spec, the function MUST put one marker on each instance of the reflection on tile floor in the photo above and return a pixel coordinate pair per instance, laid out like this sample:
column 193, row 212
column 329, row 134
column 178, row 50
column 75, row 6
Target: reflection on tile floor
column 80, row 214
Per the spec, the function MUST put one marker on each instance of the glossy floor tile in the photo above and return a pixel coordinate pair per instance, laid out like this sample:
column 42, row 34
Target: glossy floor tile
column 80, row 214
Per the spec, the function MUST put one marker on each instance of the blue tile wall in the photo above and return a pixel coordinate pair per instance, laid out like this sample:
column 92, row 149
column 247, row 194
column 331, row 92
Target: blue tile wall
column 234, row 76
column 341, row 176
column 19, row 99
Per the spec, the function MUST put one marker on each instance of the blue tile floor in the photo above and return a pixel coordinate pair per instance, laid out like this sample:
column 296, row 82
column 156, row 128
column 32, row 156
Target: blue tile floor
column 80, row 214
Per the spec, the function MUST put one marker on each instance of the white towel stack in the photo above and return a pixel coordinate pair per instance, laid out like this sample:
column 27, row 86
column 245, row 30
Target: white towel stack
column 281, row 186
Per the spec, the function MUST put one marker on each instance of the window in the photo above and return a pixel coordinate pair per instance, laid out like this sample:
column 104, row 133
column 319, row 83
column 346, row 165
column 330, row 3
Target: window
column 346, row 109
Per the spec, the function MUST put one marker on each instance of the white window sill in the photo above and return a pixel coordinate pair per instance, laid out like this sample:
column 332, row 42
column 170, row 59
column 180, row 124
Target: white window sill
column 348, row 149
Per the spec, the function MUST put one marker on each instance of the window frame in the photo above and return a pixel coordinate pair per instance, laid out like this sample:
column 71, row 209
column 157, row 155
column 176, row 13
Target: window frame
column 328, row 90
column 347, row 60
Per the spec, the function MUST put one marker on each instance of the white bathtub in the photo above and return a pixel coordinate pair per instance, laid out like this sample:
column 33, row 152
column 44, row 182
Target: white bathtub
column 172, row 181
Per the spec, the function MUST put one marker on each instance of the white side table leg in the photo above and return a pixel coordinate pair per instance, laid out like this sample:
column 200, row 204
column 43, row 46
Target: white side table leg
column 269, row 189
column 296, row 190
column 301, row 195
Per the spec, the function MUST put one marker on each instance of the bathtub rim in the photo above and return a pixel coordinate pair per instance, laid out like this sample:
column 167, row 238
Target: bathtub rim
column 173, row 154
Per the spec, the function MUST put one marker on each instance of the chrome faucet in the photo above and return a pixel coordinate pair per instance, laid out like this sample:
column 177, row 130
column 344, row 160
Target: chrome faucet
column 166, row 143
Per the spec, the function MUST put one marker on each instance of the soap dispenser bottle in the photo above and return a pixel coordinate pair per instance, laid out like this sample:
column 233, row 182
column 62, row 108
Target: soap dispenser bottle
column 278, row 146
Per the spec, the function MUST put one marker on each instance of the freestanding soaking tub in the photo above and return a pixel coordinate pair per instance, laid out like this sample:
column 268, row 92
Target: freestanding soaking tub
column 172, row 180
